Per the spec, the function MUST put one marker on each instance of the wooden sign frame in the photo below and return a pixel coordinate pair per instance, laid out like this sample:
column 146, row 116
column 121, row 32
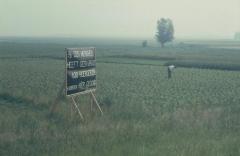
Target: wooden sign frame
column 72, row 96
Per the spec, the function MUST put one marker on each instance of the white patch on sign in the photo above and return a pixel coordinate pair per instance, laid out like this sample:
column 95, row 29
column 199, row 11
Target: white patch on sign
column 74, row 75
column 83, row 63
column 81, row 85
column 72, row 64
column 91, row 83
column 82, row 54
column 72, row 87
column 87, row 73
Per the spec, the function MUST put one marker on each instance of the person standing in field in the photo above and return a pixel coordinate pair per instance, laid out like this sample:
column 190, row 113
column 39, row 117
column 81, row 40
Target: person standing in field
column 170, row 70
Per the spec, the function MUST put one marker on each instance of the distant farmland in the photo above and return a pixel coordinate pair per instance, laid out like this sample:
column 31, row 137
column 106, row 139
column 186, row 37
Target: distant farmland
column 195, row 113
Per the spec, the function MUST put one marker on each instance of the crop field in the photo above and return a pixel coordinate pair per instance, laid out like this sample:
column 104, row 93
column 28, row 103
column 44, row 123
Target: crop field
column 195, row 113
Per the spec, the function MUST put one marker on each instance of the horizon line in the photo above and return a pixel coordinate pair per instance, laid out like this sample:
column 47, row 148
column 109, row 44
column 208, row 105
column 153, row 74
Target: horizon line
column 114, row 38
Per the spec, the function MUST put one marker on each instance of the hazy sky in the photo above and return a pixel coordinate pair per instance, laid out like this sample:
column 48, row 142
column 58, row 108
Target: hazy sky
column 118, row 18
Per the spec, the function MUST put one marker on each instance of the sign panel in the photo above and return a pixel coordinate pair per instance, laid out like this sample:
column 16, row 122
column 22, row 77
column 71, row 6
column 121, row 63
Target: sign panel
column 80, row 70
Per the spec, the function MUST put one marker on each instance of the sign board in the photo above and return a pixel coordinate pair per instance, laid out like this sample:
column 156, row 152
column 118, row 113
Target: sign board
column 80, row 70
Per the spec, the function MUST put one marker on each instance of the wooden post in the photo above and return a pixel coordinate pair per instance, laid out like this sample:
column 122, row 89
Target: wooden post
column 71, row 111
column 95, row 100
column 91, row 103
column 79, row 112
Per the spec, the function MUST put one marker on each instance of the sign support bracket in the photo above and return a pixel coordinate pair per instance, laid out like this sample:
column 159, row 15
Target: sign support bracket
column 96, row 102
column 76, row 106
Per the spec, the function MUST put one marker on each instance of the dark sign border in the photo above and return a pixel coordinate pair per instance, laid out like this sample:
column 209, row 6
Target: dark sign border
column 66, row 70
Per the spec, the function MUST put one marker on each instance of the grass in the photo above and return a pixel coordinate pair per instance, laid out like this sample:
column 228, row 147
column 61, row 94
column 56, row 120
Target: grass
column 195, row 113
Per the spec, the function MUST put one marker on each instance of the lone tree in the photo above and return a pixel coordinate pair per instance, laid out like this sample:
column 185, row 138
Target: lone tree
column 165, row 31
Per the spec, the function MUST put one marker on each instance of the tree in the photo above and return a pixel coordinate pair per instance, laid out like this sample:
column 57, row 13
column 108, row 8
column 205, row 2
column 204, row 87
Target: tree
column 165, row 31
column 144, row 43
column 237, row 36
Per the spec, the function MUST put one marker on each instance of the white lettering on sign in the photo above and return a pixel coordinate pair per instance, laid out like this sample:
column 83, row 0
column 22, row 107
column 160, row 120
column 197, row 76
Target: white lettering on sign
column 74, row 75
column 80, row 70
column 91, row 63
column 85, row 73
column 81, row 85
column 83, row 63
column 87, row 53
column 91, row 83
column 72, row 64
column 81, row 54
column 72, row 87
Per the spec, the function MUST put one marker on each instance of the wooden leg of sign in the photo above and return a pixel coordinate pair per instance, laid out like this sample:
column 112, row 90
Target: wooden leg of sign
column 71, row 110
column 79, row 112
column 91, row 103
column 95, row 100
